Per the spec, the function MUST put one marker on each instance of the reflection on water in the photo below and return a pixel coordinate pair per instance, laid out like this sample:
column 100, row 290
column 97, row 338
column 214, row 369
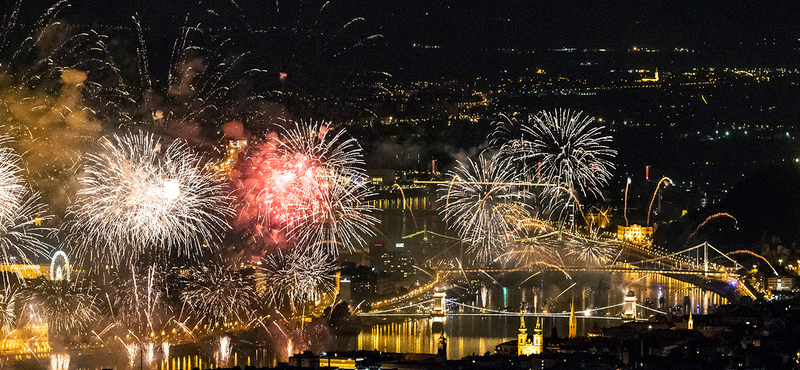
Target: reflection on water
column 118, row 359
column 467, row 335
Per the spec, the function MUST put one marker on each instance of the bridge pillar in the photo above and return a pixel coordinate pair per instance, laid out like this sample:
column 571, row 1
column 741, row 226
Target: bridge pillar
column 629, row 307
column 439, row 303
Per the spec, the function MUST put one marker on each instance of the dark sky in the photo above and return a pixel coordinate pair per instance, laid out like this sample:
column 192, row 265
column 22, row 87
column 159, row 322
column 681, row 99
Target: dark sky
column 518, row 23
column 466, row 28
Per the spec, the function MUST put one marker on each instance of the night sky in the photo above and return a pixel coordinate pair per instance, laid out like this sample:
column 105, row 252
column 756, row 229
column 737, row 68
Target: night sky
column 743, row 32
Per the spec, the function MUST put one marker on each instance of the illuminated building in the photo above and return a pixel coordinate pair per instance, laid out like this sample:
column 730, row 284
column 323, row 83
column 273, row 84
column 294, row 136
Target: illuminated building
column 635, row 234
column 24, row 271
column 439, row 303
column 649, row 79
column 573, row 321
column 224, row 167
column 690, row 323
column 527, row 346
column 781, row 284
column 31, row 339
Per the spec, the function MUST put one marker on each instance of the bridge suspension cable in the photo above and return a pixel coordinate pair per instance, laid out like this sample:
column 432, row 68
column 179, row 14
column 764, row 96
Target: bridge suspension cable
column 648, row 308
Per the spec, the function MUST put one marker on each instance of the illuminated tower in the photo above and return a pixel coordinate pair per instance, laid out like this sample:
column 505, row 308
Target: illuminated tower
column 442, row 349
column 690, row 324
column 573, row 321
column 629, row 307
column 538, row 338
column 522, row 337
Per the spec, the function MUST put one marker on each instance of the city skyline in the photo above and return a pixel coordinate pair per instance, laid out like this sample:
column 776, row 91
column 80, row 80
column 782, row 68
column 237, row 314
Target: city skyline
column 217, row 183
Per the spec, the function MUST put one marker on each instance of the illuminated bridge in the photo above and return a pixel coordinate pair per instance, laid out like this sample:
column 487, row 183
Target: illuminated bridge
column 692, row 265
column 440, row 307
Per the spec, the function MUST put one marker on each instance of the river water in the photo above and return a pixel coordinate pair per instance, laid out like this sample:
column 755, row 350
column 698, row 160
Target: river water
column 467, row 335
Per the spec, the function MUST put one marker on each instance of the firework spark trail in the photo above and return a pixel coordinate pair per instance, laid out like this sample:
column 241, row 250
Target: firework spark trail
column 36, row 56
column 591, row 251
column 658, row 187
column 219, row 294
column 130, row 349
column 21, row 213
column 625, row 209
column 565, row 149
column 297, row 276
column 754, row 255
column 223, row 353
column 310, row 185
column 142, row 304
column 315, row 50
column 405, row 205
column 139, row 198
column 474, row 205
column 59, row 361
column 64, row 305
column 8, row 314
column 709, row 219
column 205, row 82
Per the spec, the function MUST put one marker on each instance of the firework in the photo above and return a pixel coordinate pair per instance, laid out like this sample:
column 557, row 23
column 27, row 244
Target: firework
column 219, row 294
column 8, row 314
column 138, row 198
column 208, row 82
column 59, row 361
column 332, row 46
column 709, row 219
column 63, row 305
column 476, row 203
column 563, row 149
column 297, row 276
column 141, row 303
column 36, row 55
column 665, row 180
column 309, row 184
column 222, row 354
column 590, row 251
column 21, row 212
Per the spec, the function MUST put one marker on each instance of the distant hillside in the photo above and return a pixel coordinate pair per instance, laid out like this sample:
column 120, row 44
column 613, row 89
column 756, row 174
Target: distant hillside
column 766, row 206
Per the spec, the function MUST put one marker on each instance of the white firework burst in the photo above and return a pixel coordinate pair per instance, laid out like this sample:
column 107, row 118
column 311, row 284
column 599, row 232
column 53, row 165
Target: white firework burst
column 477, row 202
column 138, row 197
column 297, row 276
column 563, row 149
column 22, row 236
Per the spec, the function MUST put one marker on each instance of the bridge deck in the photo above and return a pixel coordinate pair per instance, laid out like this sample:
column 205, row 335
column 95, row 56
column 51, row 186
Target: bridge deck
column 716, row 274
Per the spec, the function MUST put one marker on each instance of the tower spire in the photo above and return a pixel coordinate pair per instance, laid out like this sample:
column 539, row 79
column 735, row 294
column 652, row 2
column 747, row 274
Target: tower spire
column 573, row 321
column 538, row 338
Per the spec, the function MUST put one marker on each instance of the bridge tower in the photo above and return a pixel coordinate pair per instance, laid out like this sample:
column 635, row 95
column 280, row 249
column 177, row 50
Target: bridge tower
column 629, row 307
column 439, row 303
